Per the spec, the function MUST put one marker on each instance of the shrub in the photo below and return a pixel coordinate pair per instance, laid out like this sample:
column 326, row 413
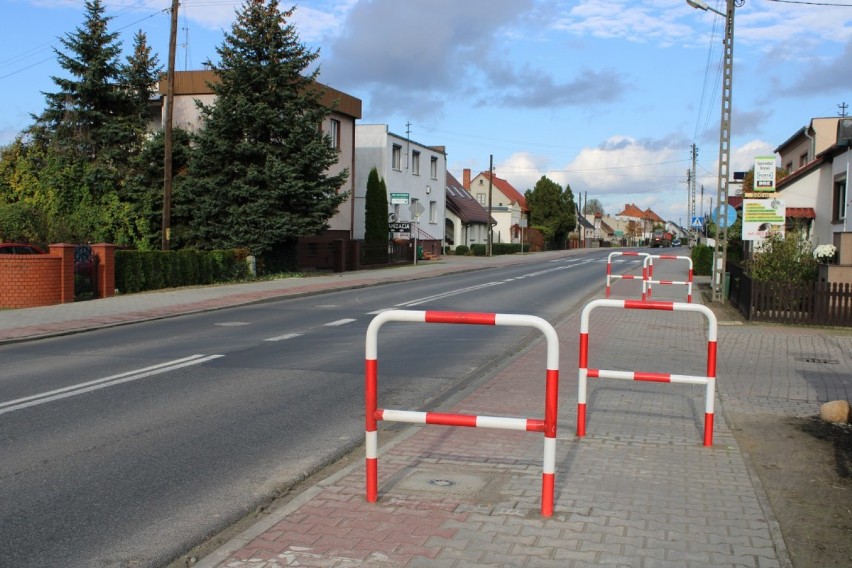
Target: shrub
column 462, row 250
column 478, row 250
column 702, row 260
column 784, row 259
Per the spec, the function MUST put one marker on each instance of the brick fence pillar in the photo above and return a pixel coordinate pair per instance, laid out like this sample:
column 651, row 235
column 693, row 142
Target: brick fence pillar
column 66, row 271
column 106, row 269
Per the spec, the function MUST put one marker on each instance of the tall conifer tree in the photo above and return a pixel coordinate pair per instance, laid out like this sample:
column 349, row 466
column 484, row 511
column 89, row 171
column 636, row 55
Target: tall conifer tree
column 376, row 209
column 258, row 175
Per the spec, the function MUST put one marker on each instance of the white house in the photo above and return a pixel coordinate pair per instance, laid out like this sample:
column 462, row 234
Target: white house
column 508, row 205
column 415, row 176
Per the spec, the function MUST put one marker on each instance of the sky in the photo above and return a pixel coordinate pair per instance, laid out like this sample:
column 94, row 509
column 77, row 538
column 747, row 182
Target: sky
column 605, row 96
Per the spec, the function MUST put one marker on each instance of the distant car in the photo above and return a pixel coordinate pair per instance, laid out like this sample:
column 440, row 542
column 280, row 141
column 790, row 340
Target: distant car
column 676, row 243
column 19, row 248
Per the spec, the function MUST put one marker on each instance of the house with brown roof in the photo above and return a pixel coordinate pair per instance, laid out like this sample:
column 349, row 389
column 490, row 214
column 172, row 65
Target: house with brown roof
column 467, row 221
column 508, row 205
column 646, row 219
column 194, row 86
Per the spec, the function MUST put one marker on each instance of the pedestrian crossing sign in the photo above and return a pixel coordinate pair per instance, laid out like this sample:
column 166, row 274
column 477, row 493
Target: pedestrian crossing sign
column 697, row 223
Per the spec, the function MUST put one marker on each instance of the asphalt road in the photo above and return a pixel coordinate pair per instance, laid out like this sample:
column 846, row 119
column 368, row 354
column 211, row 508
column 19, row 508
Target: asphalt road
column 128, row 446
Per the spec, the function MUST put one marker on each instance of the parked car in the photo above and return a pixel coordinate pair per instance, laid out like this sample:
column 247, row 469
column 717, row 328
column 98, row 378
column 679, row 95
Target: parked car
column 676, row 243
column 19, row 248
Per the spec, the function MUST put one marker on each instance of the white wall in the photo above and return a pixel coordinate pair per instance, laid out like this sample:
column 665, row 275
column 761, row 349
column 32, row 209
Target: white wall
column 374, row 148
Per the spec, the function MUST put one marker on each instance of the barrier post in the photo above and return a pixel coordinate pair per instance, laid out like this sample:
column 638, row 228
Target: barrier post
column 709, row 381
column 547, row 426
column 610, row 275
column 647, row 284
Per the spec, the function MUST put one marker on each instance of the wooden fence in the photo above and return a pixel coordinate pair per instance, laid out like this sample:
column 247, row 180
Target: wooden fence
column 814, row 303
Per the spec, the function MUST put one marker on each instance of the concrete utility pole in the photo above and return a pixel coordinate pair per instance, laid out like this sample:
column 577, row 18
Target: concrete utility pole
column 720, row 249
column 167, row 135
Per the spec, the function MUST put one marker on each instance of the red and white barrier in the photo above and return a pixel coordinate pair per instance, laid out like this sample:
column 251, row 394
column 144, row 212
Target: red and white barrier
column 709, row 380
column 648, row 269
column 551, row 399
column 610, row 276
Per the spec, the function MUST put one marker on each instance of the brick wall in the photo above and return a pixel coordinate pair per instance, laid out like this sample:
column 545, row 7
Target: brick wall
column 31, row 280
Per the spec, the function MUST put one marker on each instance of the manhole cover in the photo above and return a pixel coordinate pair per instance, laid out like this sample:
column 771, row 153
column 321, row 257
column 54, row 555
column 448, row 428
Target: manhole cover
column 446, row 482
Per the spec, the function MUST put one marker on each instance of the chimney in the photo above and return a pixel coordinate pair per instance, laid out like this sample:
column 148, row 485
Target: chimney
column 466, row 178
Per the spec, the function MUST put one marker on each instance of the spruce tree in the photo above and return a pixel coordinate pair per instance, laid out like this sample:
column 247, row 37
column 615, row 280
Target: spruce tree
column 139, row 75
column 78, row 117
column 376, row 209
column 82, row 143
column 258, row 177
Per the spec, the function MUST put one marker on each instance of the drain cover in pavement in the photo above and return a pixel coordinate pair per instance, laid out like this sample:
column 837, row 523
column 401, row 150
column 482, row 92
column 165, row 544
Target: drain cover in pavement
column 447, row 482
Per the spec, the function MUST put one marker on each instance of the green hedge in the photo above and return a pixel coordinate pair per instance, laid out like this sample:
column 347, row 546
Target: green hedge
column 702, row 260
column 137, row 271
column 496, row 249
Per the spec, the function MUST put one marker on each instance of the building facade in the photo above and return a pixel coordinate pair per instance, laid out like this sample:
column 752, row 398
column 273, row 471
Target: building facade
column 194, row 86
column 415, row 176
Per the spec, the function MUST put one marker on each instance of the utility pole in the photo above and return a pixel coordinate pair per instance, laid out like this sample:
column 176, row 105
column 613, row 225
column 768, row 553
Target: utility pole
column 167, row 159
column 692, row 189
column 720, row 249
column 490, row 185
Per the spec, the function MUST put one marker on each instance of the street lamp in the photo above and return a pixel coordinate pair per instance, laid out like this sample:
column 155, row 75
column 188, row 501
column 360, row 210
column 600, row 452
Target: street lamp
column 720, row 252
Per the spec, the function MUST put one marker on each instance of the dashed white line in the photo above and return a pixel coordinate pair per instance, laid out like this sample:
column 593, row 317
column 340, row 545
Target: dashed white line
column 283, row 337
column 339, row 322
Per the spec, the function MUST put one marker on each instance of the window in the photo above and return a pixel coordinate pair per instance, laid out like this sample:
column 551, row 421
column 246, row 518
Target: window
column 335, row 133
column 481, row 198
column 433, row 212
column 415, row 162
column 839, row 200
column 396, row 157
column 803, row 159
column 433, row 167
column 789, row 167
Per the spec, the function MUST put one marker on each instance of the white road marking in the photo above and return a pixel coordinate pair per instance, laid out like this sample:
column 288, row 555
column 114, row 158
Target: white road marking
column 339, row 322
column 89, row 386
column 283, row 337
column 448, row 294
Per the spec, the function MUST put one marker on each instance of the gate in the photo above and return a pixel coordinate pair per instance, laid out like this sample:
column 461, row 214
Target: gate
column 85, row 273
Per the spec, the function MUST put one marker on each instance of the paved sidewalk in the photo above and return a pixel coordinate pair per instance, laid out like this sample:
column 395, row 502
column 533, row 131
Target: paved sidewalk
column 639, row 490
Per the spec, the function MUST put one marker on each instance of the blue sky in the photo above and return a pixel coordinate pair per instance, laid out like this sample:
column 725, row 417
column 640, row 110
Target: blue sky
column 607, row 96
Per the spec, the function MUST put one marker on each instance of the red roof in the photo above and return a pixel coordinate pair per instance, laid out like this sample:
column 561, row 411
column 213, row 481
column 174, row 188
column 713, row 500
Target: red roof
column 506, row 189
column 801, row 213
column 630, row 210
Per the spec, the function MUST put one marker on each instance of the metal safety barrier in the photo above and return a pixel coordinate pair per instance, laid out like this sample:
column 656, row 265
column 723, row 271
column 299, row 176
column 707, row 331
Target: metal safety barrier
column 648, row 270
column 547, row 425
column 709, row 380
column 610, row 276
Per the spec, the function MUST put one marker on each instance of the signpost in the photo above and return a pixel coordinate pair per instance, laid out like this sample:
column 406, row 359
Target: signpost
column 764, row 174
column 416, row 211
column 399, row 227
